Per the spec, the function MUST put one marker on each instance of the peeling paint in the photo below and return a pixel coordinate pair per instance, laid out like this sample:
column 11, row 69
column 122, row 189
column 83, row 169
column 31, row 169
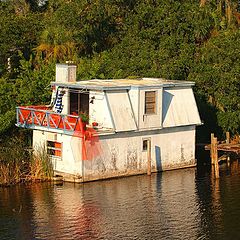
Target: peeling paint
column 182, row 154
column 132, row 159
column 114, row 154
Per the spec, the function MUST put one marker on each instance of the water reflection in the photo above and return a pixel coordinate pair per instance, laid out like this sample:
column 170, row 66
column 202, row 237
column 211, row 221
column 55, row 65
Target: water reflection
column 182, row 204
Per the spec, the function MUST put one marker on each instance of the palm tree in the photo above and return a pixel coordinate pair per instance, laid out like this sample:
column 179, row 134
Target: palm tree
column 56, row 44
column 227, row 11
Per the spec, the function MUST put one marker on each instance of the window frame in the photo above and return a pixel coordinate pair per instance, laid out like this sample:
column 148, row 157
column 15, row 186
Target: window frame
column 79, row 102
column 146, row 111
column 55, row 149
column 143, row 145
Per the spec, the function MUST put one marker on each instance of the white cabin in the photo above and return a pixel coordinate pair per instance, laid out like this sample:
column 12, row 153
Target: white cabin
column 124, row 116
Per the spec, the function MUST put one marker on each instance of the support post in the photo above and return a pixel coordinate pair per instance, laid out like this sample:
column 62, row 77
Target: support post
column 227, row 137
column 149, row 156
column 211, row 149
column 215, row 158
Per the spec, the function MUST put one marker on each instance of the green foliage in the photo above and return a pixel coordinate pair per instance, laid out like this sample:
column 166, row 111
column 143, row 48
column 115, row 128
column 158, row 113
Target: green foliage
column 33, row 83
column 216, row 73
column 159, row 41
column 31, row 87
column 41, row 167
column 92, row 68
column 17, row 32
column 7, row 121
column 13, row 161
column 84, row 117
column 194, row 40
column 19, row 164
column 7, row 111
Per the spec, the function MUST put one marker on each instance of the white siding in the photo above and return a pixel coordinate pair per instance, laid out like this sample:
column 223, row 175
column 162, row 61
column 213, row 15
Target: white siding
column 71, row 161
column 121, row 110
column 98, row 110
column 134, row 98
column 150, row 121
column 179, row 108
column 122, row 155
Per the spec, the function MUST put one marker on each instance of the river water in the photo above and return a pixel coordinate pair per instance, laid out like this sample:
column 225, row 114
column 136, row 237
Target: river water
column 181, row 204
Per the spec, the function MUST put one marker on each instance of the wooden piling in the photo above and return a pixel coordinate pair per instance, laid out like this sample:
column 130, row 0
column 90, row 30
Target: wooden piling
column 215, row 157
column 227, row 137
column 211, row 149
column 149, row 157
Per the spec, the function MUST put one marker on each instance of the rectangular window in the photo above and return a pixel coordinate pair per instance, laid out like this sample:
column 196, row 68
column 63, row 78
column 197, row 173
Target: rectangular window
column 150, row 102
column 79, row 102
column 54, row 149
column 145, row 144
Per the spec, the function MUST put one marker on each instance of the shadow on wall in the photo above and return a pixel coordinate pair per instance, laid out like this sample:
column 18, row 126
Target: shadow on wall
column 158, row 158
column 167, row 99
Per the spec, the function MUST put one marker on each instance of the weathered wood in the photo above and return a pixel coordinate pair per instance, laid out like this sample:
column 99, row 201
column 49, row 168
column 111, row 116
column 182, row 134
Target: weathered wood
column 211, row 148
column 150, row 102
column 215, row 157
column 227, row 137
column 226, row 147
column 149, row 157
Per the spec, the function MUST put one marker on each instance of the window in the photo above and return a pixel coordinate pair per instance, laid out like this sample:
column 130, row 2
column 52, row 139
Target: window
column 145, row 144
column 54, row 149
column 150, row 102
column 79, row 102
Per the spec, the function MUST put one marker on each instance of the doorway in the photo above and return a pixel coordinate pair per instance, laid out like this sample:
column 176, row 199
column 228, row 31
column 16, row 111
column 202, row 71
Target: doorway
column 79, row 103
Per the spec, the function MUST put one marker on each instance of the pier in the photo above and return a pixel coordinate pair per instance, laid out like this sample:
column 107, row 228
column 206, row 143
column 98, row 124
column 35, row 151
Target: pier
column 226, row 147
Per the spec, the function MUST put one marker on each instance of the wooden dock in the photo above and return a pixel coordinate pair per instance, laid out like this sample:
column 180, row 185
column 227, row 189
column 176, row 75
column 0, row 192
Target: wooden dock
column 228, row 146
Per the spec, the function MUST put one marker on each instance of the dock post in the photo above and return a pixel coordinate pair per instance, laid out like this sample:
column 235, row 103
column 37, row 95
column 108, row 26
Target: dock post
column 211, row 149
column 227, row 137
column 215, row 157
column 149, row 157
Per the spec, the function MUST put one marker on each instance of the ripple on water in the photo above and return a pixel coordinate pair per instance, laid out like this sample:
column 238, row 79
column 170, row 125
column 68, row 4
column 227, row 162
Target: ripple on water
column 171, row 205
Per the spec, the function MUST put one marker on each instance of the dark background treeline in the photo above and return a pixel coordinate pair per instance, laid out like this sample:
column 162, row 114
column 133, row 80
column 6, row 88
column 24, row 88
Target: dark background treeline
column 183, row 40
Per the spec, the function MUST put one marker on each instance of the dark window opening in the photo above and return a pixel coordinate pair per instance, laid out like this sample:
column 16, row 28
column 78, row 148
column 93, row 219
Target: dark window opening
column 145, row 144
column 79, row 103
column 54, row 148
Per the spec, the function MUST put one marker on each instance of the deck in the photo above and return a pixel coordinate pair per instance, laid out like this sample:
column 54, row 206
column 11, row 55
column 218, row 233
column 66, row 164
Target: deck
column 43, row 118
column 228, row 146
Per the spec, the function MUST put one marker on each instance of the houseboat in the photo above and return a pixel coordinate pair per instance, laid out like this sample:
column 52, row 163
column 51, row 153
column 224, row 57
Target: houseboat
column 99, row 129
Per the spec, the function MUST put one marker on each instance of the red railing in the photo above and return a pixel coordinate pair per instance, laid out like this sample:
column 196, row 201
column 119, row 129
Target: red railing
column 42, row 117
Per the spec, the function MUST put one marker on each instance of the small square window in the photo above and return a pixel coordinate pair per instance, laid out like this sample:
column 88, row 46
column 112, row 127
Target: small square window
column 54, row 149
column 150, row 102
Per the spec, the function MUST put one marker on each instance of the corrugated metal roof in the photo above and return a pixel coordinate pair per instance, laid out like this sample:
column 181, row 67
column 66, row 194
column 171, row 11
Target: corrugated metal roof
column 108, row 84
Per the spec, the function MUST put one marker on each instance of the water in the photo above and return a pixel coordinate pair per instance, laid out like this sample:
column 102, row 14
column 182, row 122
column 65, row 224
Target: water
column 182, row 204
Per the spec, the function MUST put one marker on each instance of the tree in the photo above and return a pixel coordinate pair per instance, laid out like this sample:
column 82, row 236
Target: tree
column 17, row 32
column 31, row 87
column 216, row 73
column 158, row 40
